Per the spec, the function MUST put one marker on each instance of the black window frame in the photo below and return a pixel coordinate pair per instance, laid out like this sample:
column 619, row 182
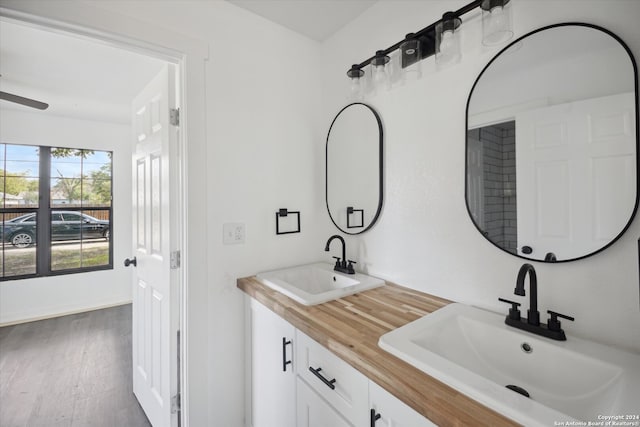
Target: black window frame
column 45, row 210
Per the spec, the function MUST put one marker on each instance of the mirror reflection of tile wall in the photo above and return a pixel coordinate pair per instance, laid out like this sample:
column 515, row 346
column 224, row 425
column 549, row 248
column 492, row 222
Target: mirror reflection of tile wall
column 499, row 177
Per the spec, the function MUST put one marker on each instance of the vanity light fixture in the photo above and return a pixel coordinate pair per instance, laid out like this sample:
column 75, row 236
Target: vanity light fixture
column 497, row 25
column 448, row 39
column 356, row 91
column 441, row 39
column 380, row 73
column 411, row 51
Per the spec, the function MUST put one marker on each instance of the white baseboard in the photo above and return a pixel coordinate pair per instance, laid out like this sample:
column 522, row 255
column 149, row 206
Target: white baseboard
column 66, row 313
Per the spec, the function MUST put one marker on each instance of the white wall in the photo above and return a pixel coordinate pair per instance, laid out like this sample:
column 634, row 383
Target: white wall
column 263, row 144
column 263, row 151
column 425, row 238
column 48, row 296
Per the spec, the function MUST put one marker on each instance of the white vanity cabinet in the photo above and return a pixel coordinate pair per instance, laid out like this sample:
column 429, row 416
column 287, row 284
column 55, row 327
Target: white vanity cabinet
column 297, row 382
column 388, row 411
column 273, row 386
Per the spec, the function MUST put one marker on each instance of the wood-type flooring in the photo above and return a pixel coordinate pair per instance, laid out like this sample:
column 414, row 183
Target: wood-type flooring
column 69, row 371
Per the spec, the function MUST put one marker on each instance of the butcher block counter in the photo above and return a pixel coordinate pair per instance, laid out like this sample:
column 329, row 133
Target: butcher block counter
column 350, row 328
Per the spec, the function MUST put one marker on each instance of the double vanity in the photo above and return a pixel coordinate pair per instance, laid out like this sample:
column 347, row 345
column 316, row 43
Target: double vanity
column 550, row 176
column 395, row 356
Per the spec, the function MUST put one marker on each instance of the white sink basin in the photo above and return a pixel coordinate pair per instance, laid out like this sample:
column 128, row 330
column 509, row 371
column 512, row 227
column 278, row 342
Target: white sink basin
column 317, row 283
column 473, row 351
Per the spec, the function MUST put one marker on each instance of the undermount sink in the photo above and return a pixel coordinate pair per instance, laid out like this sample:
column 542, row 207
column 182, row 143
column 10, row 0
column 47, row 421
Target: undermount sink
column 317, row 283
column 473, row 351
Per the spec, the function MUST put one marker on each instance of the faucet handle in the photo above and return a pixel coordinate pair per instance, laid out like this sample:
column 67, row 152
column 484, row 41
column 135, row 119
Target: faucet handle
column 514, row 312
column 554, row 324
column 350, row 267
column 337, row 258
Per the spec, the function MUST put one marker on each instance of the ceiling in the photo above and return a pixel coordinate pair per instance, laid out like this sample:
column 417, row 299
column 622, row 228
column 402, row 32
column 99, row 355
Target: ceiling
column 76, row 77
column 316, row 19
column 91, row 80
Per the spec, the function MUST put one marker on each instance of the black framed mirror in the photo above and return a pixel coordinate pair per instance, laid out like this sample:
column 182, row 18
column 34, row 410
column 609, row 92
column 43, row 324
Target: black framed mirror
column 354, row 168
column 552, row 144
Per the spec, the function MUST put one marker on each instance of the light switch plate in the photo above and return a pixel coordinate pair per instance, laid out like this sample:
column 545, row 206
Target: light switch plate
column 233, row 233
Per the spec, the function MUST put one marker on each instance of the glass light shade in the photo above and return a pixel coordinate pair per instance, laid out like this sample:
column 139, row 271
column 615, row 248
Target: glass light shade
column 381, row 79
column 380, row 72
column 448, row 41
column 411, row 53
column 356, row 89
column 497, row 25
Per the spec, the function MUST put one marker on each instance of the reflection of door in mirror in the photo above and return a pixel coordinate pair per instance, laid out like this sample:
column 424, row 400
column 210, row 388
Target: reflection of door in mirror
column 576, row 174
column 553, row 118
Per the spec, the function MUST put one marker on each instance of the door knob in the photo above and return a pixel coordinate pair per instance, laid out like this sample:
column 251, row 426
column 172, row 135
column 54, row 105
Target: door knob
column 128, row 262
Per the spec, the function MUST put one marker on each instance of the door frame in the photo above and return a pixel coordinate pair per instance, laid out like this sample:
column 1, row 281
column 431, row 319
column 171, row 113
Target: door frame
column 188, row 55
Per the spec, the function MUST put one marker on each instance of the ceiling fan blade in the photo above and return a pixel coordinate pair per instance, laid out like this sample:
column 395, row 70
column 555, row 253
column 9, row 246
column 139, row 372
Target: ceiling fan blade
column 23, row 101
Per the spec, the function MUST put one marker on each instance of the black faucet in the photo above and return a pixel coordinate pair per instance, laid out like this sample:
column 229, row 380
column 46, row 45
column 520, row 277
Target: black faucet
column 532, row 324
column 533, row 316
column 341, row 264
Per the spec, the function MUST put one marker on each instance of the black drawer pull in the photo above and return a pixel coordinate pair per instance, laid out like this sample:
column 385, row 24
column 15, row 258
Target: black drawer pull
column 317, row 373
column 285, row 362
column 374, row 417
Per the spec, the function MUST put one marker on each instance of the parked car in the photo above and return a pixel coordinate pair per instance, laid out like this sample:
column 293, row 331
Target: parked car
column 65, row 225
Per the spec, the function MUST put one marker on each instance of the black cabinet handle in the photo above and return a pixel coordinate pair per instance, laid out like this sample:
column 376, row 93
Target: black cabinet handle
column 285, row 362
column 128, row 262
column 317, row 373
column 374, row 417
column 527, row 250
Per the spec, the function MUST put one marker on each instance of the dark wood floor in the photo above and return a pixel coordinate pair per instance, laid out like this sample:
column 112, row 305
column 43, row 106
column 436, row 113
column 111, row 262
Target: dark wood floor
column 69, row 371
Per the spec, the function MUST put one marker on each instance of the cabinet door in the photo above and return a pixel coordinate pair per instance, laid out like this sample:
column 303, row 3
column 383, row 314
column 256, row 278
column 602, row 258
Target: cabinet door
column 393, row 412
column 314, row 411
column 272, row 379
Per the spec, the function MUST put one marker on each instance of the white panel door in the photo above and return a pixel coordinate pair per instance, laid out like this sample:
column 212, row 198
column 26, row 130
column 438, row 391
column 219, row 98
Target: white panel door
column 154, row 320
column 543, row 155
column 610, row 164
column 272, row 369
column 575, row 167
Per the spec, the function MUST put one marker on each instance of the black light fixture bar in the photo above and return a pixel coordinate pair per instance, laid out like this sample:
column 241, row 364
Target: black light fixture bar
column 426, row 36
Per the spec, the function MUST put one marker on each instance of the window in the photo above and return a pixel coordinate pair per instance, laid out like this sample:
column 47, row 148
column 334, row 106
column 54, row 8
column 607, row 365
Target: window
column 71, row 189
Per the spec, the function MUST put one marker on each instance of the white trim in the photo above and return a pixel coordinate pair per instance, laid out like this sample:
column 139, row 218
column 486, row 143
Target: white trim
column 118, row 36
column 125, row 32
column 64, row 313
column 504, row 114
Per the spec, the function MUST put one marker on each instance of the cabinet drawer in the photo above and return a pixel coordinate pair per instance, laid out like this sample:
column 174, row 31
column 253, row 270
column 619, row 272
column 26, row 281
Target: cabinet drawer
column 334, row 380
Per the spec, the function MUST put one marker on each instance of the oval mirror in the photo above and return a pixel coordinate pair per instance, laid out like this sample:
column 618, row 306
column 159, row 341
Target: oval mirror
column 552, row 144
column 354, row 168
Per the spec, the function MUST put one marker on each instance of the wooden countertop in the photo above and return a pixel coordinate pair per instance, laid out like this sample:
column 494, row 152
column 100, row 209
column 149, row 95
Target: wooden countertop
column 350, row 328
